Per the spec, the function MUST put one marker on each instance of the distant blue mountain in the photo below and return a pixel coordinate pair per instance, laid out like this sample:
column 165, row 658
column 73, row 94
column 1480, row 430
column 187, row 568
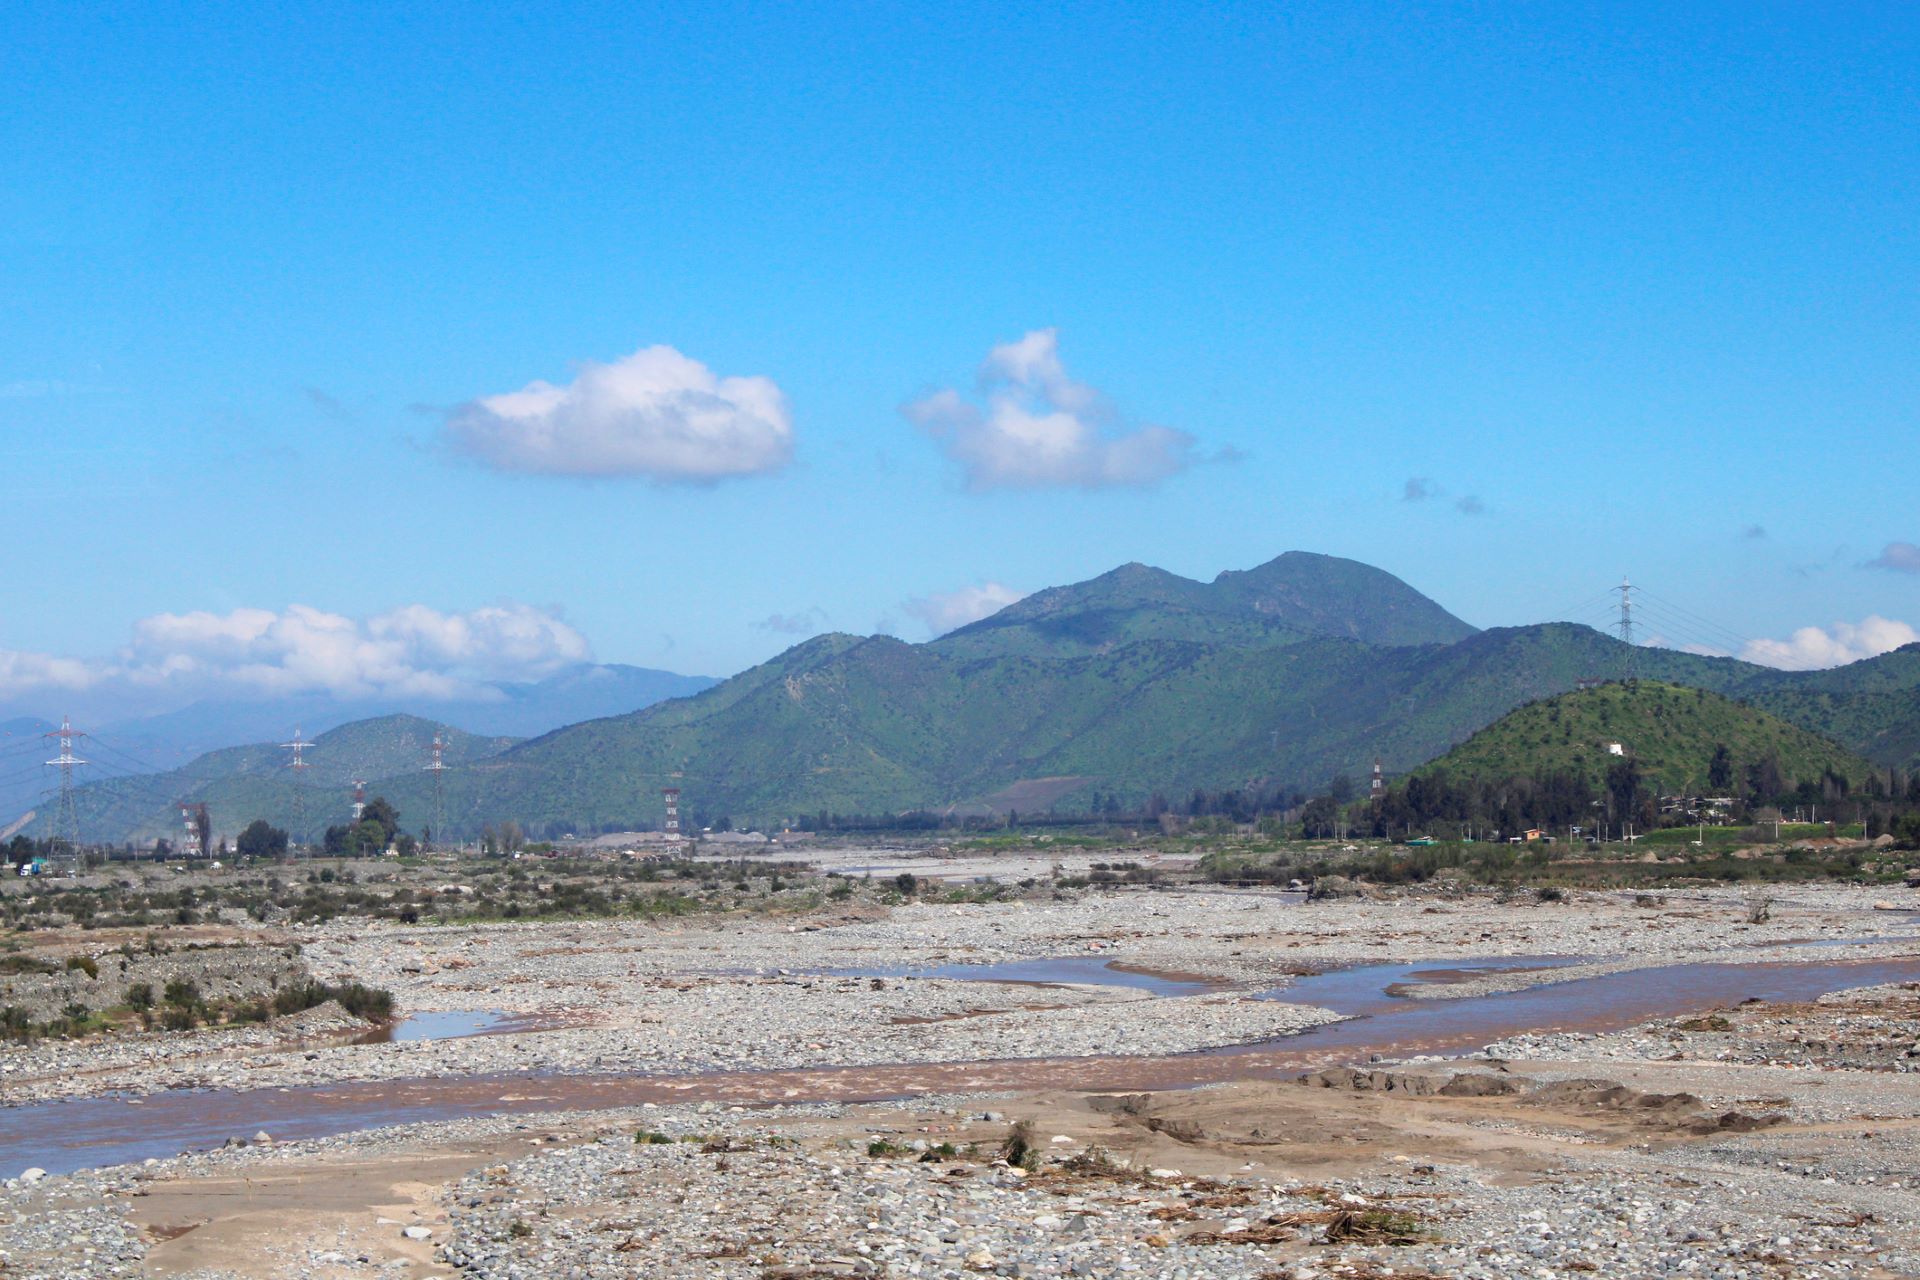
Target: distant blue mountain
column 156, row 743
column 512, row 710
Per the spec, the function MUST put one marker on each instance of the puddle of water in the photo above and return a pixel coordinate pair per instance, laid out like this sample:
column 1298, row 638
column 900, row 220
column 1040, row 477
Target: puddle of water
column 63, row 1136
column 1051, row 971
column 449, row 1024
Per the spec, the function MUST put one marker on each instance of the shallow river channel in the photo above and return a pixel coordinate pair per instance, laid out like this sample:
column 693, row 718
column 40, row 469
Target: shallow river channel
column 65, row 1135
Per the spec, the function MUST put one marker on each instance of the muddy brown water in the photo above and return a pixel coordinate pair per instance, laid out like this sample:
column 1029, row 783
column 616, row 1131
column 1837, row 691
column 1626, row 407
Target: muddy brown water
column 67, row 1135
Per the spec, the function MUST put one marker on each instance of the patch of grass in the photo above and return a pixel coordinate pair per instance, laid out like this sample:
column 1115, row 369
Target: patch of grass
column 1712, row 1022
column 1377, row 1226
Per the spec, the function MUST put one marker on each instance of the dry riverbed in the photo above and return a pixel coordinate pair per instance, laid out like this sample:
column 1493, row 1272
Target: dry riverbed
column 759, row 993
column 1746, row 1140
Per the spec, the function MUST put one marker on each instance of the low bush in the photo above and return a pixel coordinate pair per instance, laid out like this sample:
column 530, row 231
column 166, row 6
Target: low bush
column 370, row 1004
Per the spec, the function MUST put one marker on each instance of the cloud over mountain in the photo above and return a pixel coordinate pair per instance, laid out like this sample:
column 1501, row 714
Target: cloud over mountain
column 412, row 651
column 1814, row 647
column 1039, row 428
column 800, row 622
column 656, row 414
column 943, row 611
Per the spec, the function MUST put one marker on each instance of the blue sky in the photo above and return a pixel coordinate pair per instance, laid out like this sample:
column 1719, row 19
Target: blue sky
column 1634, row 286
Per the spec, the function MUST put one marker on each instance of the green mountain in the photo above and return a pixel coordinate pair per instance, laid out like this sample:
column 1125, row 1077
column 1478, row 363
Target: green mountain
column 1872, row 706
column 1671, row 732
column 1136, row 682
column 239, row 784
column 1296, row 596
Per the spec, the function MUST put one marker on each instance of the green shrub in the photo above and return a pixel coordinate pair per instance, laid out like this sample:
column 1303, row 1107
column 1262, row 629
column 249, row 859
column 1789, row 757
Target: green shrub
column 367, row 1003
column 1019, row 1150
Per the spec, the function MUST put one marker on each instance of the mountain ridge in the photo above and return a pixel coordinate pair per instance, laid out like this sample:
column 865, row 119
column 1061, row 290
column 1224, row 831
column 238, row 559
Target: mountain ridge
column 1132, row 683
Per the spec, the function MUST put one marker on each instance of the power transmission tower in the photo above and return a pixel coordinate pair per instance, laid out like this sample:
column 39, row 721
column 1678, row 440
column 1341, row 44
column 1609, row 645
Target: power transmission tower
column 193, row 817
column 299, row 766
column 66, row 817
column 1626, row 623
column 438, row 767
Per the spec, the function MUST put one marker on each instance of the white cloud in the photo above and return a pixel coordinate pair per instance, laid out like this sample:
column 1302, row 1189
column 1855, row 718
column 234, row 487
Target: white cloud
column 655, row 413
column 1041, row 429
column 1900, row 557
column 1813, row 647
column 412, row 651
column 943, row 611
column 42, row 671
column 803, row 622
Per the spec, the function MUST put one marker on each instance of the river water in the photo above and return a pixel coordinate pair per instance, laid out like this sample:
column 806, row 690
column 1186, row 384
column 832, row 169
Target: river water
column 66, row 1135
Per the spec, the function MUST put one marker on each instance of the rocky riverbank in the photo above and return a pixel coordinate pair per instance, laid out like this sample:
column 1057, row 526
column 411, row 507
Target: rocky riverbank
column 760, row 993
column 1747, row 1140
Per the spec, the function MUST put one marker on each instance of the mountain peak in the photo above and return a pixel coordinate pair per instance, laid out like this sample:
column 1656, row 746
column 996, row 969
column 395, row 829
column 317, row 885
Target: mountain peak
column 1335, row 596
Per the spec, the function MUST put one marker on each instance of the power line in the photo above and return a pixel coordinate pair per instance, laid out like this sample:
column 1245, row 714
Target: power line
column 1673, row 632
column 1600, row 602
column 1703, row 623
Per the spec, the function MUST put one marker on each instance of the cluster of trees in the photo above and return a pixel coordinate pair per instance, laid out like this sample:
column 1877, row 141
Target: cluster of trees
column 21, row 850
column 508, row 837
column 1891, row 806
column 376, row 831
column 261, row 840
column 1556, row 800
